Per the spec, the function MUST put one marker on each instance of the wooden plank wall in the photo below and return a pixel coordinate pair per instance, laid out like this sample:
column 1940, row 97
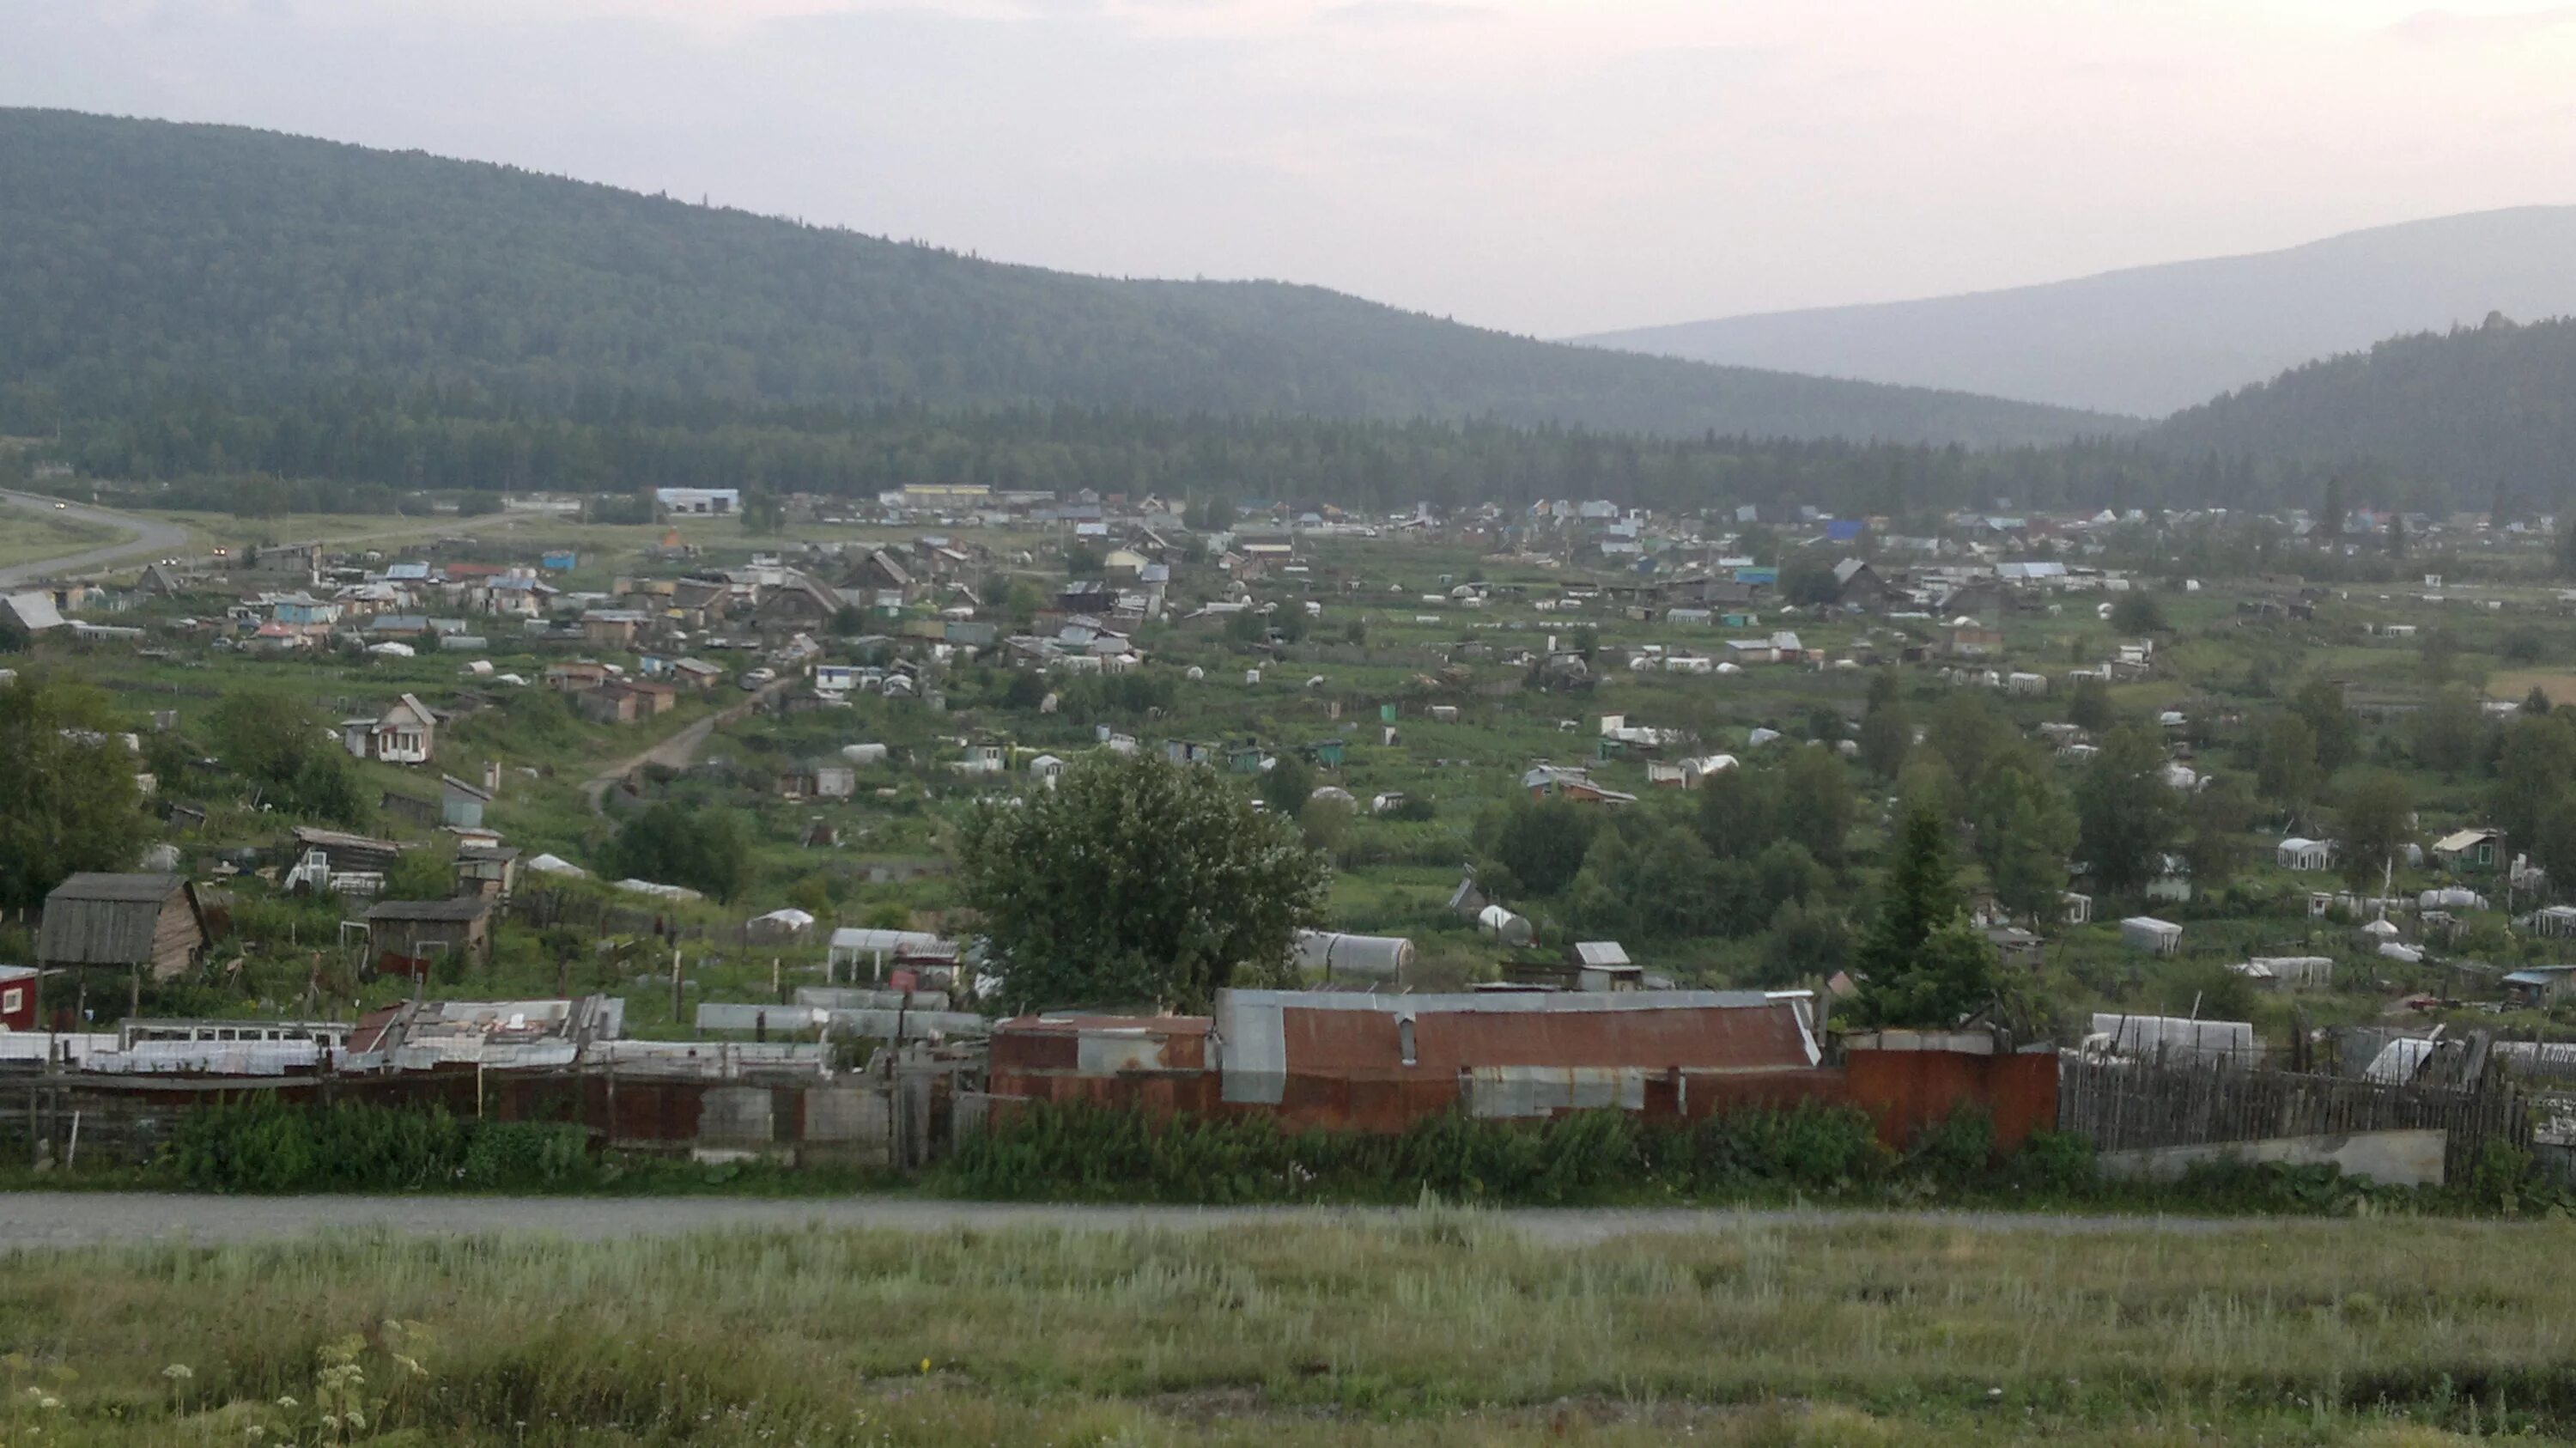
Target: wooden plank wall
column 2128, row 1106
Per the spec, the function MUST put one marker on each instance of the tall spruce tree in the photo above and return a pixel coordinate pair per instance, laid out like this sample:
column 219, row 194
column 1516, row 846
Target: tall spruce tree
column 1913, row 967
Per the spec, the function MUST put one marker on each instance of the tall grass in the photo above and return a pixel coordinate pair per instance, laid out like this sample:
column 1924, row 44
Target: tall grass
column 1445, row 1329
column 262, row 1146
column 1081, row 1151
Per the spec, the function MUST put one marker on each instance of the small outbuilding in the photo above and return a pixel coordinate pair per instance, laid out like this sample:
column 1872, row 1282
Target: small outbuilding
column 137, row 921
column 2147, row 933
column 419, row 928
column 2300, row 853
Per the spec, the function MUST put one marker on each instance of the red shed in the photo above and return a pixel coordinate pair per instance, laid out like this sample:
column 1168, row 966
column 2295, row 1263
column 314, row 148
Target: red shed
column 17, row 998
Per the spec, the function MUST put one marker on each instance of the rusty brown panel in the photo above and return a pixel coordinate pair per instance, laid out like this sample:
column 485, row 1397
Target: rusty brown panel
column 1908, row 1091
column 1362, row 1043
column 1035, row 1051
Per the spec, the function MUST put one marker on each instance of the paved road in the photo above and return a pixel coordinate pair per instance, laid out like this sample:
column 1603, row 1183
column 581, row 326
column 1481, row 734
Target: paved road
column 145, row 537
column 40, row 1220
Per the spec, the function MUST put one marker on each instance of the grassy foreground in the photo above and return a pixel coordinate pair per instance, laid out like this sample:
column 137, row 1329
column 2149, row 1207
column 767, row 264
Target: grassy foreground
column 1445, row 1329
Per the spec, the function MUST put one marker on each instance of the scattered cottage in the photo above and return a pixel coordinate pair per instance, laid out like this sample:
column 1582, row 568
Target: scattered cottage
column 405, row 733
column 2469, row 852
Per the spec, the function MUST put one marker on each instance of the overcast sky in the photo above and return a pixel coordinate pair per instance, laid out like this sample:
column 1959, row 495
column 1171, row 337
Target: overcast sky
column 1548, row 166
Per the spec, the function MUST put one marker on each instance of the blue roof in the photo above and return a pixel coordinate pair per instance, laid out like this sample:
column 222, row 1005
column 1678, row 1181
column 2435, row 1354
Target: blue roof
column 1843, row 530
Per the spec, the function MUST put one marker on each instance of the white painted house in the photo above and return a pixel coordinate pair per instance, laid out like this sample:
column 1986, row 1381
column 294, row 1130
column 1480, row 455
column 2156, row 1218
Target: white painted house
column 406, row 733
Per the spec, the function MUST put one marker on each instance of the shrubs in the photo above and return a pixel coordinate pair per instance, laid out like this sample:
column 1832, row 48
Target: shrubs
column 266, row 1147
column 1084, row 1151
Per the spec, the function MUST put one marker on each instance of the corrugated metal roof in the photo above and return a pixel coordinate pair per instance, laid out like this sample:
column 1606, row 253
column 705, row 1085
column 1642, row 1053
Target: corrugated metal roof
column 1270, row 1036
column 33, row 612
column 124, row 888
column 1600, row 952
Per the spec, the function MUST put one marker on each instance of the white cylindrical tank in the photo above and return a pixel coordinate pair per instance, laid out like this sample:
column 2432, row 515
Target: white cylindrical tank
column 864, row 754
column 1195, row 674
column 1353, row 957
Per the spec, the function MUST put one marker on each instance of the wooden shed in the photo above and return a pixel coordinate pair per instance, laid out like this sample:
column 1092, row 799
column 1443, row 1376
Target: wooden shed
column 124, row 920
column 418, row 928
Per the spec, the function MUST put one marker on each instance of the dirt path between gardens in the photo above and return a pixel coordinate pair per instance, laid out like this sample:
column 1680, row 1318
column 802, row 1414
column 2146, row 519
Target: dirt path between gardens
column 676, row 752
column 39, row 1220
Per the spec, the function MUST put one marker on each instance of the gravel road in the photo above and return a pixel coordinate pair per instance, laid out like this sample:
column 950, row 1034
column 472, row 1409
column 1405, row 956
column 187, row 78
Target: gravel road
column 37, row 1220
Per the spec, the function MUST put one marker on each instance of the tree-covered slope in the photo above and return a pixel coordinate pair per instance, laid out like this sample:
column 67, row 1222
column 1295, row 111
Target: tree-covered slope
column 2482, row 410
column 140, row 259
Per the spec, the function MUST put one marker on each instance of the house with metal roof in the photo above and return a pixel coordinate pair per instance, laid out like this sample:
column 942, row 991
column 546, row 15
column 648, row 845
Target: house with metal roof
column 2541, row 986
column 2469, row 852
column 133, row 921
column 25, row 616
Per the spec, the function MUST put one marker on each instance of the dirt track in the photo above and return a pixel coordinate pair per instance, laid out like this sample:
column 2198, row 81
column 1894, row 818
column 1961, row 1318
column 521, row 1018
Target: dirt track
column 41, row 1220
column 677, row 752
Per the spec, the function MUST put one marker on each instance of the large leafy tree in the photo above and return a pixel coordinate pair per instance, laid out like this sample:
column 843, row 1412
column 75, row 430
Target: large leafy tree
column 2024, row 829
column 2125, row 811
column 1816, row 802
column 2285, row 763
column 1536, row 846
column 2214, row 840
column 2534, row 772
column 1137, row 880
column 1886, row 728
column 68, row 800
column 292, row 757
column 2320, row 703
column 2377, row 818
column 707, row 850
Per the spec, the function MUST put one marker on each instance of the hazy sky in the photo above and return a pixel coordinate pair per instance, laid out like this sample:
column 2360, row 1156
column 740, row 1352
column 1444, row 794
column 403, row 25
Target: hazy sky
column 1549, row 166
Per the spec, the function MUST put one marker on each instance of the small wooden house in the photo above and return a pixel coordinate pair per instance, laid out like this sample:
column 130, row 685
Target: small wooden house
column 419, row 928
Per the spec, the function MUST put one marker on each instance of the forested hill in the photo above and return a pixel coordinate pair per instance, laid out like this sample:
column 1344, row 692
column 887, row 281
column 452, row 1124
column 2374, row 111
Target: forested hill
column 2152, row 340
column 143, row 259
column 2480, row 410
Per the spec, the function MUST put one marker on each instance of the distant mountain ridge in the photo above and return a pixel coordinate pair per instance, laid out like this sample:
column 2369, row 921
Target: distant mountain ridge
column 2477, row 411
column 2149, row 341
column 140, row 259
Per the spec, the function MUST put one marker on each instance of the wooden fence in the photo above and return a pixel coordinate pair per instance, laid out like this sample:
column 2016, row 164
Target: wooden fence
column 539, row 908
column 2129, row 1106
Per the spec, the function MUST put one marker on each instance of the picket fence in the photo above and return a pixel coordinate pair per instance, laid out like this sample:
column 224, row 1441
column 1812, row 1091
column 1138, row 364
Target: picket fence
column 2133, row 1106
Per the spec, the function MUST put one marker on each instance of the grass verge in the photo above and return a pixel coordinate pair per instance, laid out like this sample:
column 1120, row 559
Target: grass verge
column 1445, row 1328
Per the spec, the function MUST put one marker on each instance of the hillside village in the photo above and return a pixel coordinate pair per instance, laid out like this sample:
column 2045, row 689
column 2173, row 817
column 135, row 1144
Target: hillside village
column 539, row 714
